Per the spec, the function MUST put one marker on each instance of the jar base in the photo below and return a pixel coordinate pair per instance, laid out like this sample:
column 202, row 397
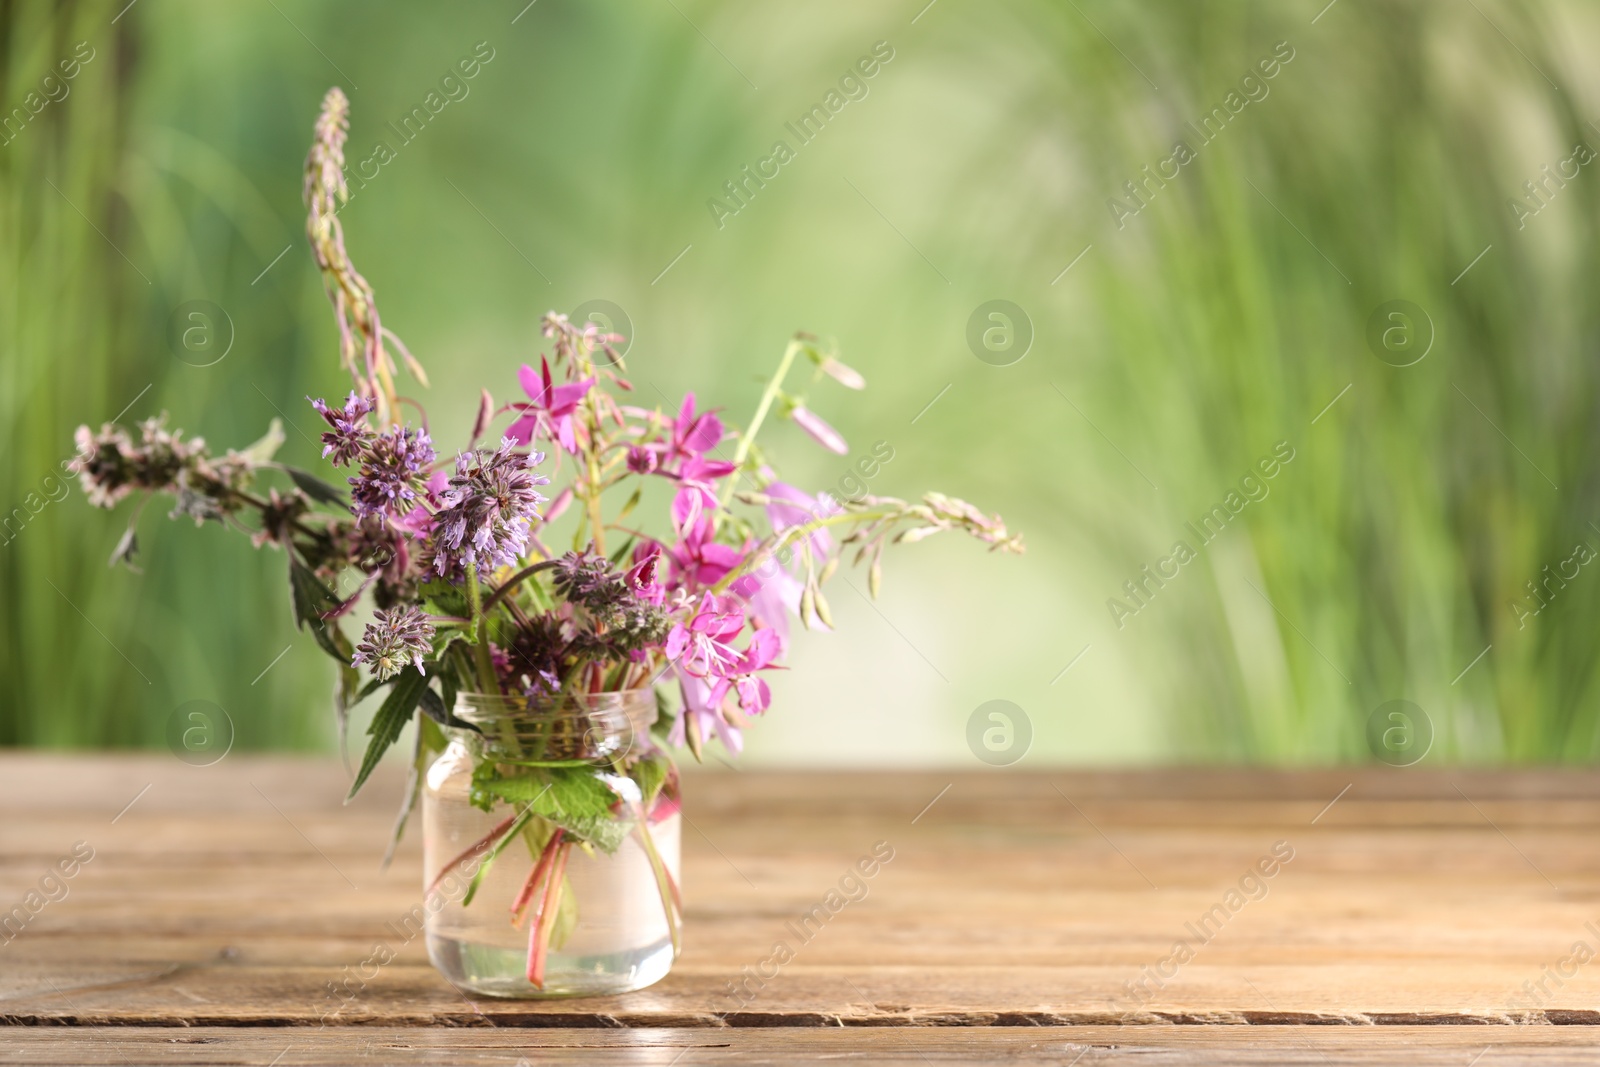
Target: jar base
column 495, row 971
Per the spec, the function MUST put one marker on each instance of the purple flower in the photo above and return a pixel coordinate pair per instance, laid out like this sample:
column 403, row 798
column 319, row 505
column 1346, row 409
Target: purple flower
column 391, row 466
column 350, row 430
column 394, row 640
column 488, row 508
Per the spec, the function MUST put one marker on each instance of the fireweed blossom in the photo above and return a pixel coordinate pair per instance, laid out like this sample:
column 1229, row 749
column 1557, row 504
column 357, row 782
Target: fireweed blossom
column 709, row 665
column 552, row 409
column 488, row 508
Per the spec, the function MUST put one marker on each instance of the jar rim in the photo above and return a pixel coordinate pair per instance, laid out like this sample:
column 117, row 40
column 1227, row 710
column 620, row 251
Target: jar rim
column 635, row 708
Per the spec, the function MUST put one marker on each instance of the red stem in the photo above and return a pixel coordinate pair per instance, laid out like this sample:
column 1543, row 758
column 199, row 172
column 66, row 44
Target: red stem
column 539, row 932
column 481, row 844
column 546, row 855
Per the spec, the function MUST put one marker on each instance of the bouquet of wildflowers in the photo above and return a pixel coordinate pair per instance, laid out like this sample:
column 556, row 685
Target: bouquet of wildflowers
column 468, row 595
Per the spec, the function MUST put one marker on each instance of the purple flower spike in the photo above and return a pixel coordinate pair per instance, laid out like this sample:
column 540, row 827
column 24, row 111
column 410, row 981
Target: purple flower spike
column 489, row 507
column 394, row 640
column 350, row 431
column 391, row 467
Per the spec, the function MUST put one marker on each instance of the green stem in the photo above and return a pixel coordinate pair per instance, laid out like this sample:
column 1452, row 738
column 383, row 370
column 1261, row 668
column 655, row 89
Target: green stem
column 513, row 581
column 669, row 902
column 480, row 627
column 748, row 438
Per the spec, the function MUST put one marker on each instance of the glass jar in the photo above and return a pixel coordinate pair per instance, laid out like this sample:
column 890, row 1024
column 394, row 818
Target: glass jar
column 551, row 837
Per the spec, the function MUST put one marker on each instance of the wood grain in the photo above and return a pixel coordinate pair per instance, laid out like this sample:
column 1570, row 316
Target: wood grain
column 1416, row 906
column 1086, row 1046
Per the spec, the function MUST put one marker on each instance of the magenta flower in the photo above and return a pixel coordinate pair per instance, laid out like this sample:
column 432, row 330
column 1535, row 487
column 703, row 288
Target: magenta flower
column 693, row 435
column 644, row 577
column 698, row 560
column 821, row 432
column 702, row 702
column 704, row 646
column 709, row 667
column 552, row 412
column 342, row 445
column 643, row 459
column 697, row 490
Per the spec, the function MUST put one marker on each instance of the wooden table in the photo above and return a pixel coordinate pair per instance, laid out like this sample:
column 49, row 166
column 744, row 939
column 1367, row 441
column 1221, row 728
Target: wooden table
column 1024, row 917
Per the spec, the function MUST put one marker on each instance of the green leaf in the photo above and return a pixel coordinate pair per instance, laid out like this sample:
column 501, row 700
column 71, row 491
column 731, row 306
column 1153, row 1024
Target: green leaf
column 440, row 597
column 316, row 488
column 440, row 712
column 390, row 720
column 573, row 798
column 651, row 773
column 310, row 596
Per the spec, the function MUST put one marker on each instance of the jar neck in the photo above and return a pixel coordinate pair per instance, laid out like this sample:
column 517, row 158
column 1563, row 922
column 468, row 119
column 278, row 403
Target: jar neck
column 559, row 730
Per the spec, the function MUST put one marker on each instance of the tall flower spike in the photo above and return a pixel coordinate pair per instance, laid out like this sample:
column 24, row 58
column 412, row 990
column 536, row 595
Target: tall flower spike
column 355, row 308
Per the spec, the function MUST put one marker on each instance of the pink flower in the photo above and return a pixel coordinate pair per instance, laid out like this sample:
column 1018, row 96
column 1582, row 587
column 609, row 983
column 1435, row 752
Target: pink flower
column 771, row 594
column 821, row 432
column 700, row 561
column 709, row 667
column 697, row 490
column 643, row 459
column 693, row 435
column 704, row 645
column 644, row 576
column 552, row 411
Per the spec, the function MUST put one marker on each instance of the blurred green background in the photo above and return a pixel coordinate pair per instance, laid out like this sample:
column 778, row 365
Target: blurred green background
column 1198, row 326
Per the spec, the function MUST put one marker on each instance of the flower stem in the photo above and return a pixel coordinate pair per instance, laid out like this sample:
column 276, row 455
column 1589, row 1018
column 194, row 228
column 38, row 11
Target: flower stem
column 748, row 438
column 480, row 626
column 515, row 580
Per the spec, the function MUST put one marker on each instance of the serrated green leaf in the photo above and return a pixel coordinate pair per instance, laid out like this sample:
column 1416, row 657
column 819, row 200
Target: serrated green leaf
column 440, row 597
column 390, row 720
column 573, row 798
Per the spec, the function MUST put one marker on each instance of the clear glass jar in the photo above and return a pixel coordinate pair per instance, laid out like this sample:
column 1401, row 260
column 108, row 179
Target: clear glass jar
column 550, row 847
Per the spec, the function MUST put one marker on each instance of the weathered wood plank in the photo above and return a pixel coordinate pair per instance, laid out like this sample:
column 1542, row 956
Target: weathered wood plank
column 234, row 894
column 1145, row 1046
